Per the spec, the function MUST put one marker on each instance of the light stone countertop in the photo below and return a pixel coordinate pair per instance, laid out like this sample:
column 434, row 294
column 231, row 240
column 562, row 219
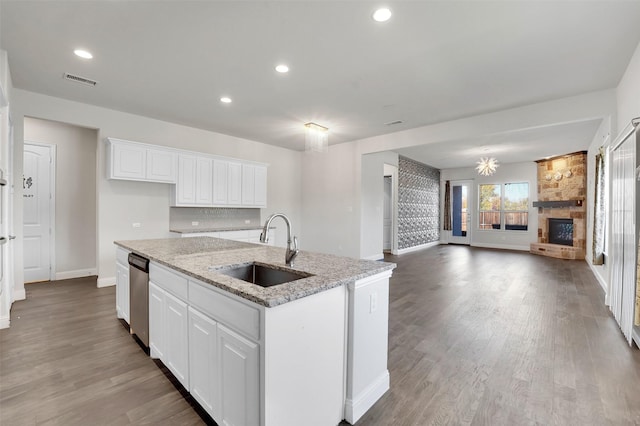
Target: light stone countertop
column 195, row 229
column 195, row 256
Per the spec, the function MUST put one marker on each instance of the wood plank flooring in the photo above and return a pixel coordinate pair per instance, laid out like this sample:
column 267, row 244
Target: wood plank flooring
column 476, row 337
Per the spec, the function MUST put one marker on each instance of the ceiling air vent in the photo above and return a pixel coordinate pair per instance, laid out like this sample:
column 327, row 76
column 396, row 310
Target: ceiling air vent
column 391, row 123
column 79, row 79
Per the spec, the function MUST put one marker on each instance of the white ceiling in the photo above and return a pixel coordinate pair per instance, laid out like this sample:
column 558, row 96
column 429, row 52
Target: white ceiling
column 433, row 61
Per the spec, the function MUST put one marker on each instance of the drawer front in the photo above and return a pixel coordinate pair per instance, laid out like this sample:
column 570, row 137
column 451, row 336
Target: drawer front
column 168, row 280
column 122, row 256
column 230, row 312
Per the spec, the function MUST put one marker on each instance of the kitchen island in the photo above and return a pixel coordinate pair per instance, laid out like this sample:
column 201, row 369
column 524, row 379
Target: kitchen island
column 310, row 351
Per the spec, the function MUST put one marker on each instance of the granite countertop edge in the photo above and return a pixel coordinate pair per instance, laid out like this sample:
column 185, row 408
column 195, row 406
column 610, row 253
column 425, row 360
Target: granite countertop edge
column 201, row 257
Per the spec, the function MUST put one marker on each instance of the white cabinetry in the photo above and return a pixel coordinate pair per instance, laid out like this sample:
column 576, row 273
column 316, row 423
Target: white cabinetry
column 234, row 184
column 203, row 361
column 254, row 185
column 122, row 284
column 195, row 182
column 142, row 162
column 220, row 179
column 168, row 321
column 238, row 367
column 176, row 328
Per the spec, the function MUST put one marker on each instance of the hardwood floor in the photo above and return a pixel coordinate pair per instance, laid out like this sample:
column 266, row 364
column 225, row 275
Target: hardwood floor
column 476, row 336
column 67, row 360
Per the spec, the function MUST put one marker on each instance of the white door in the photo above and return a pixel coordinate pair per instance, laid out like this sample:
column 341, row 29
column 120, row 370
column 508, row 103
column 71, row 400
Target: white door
column 386, row 220
column 38, row 187
column 461, row 212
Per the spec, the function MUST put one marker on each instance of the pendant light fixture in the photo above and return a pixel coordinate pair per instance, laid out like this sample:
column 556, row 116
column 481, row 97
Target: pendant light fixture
column 316, row 138
column 487, row 166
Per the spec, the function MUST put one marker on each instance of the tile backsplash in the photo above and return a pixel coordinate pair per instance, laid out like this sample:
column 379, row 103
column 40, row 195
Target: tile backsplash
column 214, row 217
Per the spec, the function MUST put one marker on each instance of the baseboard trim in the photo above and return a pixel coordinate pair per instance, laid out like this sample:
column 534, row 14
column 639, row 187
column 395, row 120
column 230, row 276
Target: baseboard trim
column 106, row 282
column 5, row 322
column 355, row 408
column 501, row 246
column 19, row 294
column 379, row 256
column 420, row 247
column 601, row 281
column 79, row 273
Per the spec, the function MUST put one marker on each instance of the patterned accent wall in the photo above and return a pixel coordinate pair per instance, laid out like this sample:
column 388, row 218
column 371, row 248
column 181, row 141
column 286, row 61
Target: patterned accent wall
column 418, row 203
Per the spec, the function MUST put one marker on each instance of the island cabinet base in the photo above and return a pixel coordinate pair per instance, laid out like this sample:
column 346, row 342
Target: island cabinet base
column 304, row 360
column 368, row 324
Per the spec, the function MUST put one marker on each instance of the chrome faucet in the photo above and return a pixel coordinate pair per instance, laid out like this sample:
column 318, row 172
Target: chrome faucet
column 264, row 237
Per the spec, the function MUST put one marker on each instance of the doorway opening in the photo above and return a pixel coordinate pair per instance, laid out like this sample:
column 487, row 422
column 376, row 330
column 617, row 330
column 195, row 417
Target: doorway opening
column 389, row 210
column 461, row 212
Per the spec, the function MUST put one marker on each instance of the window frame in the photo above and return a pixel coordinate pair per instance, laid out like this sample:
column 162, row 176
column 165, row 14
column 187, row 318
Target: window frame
column 502, row 211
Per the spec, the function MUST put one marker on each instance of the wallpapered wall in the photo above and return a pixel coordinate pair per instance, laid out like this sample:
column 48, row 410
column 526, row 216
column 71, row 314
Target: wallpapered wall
column 418, row 203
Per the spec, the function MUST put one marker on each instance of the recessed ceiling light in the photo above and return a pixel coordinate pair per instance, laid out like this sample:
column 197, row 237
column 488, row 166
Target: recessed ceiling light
column 83, row 53
column 282, row 68
column 225, row 100
column 382, row 15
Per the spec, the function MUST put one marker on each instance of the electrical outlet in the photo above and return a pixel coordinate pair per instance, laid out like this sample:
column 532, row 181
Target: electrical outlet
column 136, row 224
column 194, row 223
column 373, row 302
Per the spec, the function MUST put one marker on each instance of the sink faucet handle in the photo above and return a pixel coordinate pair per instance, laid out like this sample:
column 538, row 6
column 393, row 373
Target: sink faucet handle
column 295, row 244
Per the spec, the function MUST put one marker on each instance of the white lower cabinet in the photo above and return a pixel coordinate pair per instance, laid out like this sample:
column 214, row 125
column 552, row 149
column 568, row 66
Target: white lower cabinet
column 238, row 365
column 176, row 324
column 156, row 321
column 169, row 332
column 203, row 361
column 122, row 284
column 224, row 370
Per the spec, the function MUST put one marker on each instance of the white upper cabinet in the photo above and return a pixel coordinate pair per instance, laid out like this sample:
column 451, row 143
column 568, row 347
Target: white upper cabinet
column 220, row 179
column 234, row 184
column 200, row 180
column 137, row 161
column 254, row 185
column 161, row 166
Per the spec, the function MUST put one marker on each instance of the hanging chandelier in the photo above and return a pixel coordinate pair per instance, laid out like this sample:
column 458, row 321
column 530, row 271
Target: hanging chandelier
column 316, row 137
column 487, row 166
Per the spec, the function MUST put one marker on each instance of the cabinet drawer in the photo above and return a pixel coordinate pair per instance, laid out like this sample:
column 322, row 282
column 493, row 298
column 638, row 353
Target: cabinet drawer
column 232, row 313
column 168, row 280
column 122, row 256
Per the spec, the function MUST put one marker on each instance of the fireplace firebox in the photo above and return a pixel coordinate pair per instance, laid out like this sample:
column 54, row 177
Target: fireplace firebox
column 561, row 231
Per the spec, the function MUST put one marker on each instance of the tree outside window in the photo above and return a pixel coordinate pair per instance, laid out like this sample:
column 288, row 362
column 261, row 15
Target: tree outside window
column 504, row 206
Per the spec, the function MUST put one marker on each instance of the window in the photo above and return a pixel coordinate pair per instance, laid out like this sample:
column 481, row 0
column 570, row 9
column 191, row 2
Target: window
column 504, row 206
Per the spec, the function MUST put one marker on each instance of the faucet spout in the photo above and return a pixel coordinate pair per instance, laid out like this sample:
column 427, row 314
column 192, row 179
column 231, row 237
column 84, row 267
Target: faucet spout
column 291, row 252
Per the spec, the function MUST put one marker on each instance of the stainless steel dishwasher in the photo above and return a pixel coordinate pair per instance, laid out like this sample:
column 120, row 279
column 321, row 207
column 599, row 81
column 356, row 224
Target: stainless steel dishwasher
column 139, row 297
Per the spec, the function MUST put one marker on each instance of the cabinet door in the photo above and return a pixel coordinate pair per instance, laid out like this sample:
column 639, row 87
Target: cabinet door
column 260, row 192
column 122, row 292
column 128, row 161
column 234, row 184
column 203, row 361
column 238, row 368
column 161, row 166
column 220, row 179
column 186, row 187
column 204, row 182
column 176, row 326
column 156, row 322
column 248, row 184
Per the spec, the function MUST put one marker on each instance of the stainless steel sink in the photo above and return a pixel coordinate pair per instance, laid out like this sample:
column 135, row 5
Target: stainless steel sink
column 263, row 275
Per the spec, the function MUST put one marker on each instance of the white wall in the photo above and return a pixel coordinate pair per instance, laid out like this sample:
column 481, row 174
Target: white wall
column 75, row 227
column 120, row 203
column 506, row 173
column 628, row 93
column 333, row 181
column 372, row 214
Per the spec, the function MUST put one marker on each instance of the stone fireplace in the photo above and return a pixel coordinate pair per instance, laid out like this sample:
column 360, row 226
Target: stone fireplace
column 562, row 183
